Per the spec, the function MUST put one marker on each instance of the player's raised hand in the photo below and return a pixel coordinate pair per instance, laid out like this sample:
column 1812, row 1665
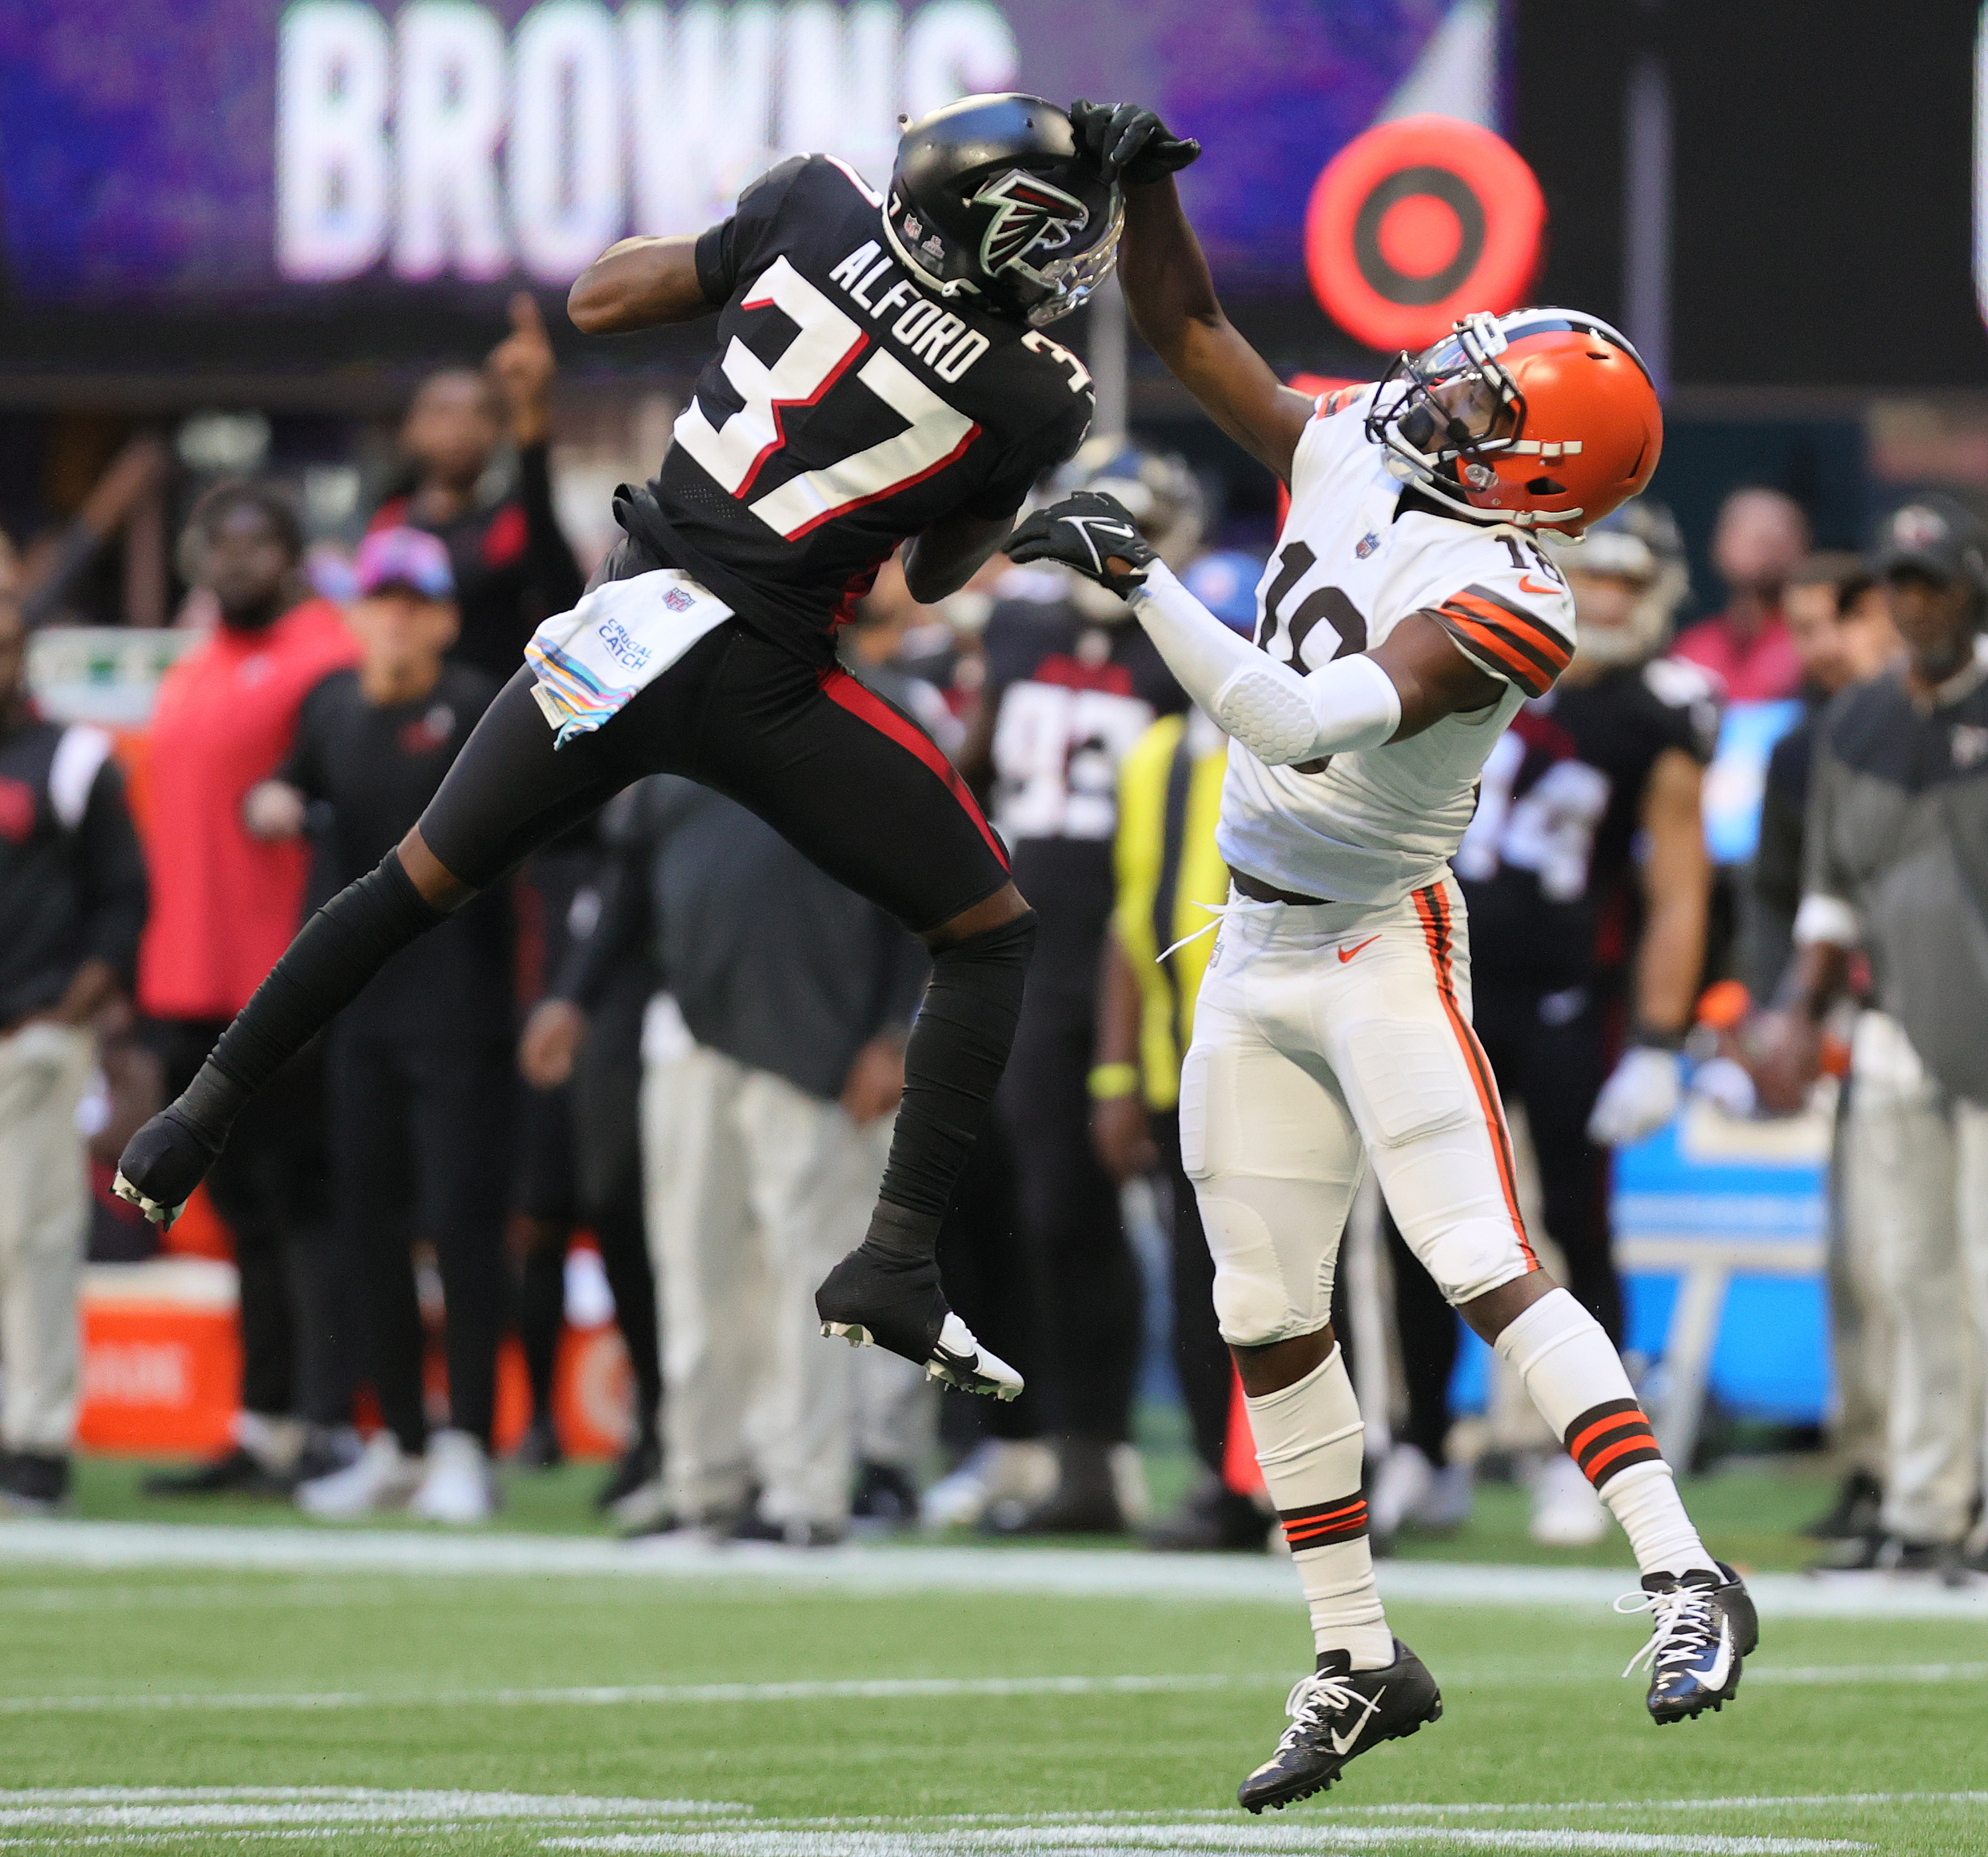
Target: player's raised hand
column 1129, row 143
column 523, row 365
column 1090, row 533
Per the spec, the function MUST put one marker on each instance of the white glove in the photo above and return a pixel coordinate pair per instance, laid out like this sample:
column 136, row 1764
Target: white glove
column 1642, row 1096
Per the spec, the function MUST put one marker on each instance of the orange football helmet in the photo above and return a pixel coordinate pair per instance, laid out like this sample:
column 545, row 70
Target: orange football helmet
column 1543, row 418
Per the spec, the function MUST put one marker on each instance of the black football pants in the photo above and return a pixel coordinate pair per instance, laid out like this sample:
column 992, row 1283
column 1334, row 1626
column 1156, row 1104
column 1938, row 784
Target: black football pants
column 1088, row 1304
column 271, row 1187
column 420, row 1140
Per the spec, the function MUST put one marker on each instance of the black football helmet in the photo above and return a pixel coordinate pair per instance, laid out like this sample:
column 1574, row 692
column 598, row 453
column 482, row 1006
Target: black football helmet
column 992, row 198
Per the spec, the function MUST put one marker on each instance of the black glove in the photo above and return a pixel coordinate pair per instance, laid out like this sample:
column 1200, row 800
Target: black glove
column 1129, row 143
column 162, row 1164
column 1082, row 533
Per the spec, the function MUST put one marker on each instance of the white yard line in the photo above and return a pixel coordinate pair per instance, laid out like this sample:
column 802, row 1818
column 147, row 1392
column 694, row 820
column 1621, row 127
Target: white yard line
column 884, row 1689
column 1051, row 1572
column 608, row 1696
column 1321, row 1837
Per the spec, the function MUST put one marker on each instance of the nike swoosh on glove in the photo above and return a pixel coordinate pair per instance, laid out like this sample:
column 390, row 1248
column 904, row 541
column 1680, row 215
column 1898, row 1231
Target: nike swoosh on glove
column 1640, row 1096
column 1129, row 143
column 1082, row 533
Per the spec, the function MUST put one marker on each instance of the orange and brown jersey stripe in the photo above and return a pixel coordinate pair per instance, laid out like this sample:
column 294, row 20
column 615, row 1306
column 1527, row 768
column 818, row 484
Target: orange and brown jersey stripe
column 1325, row 1523
column 1504, row 638
column 1608, row 1438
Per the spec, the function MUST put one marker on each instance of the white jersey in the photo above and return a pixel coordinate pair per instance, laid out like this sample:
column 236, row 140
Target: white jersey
column 1370, row 827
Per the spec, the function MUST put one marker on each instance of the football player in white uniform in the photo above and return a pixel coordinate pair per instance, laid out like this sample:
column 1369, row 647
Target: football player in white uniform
column 1407, row 614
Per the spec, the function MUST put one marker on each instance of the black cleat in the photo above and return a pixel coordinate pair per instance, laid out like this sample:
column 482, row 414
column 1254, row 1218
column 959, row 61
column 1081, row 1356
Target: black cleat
column 1336, row 1714
column 162, row 1164
column 1703, row 1625
column 874, row 1298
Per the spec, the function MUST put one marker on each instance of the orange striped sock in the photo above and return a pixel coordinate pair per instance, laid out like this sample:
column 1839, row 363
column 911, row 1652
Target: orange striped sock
column 1309, row 1442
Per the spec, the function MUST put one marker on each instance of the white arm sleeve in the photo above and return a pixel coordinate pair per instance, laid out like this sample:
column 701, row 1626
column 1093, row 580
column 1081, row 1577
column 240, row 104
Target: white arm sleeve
column 1280, row 715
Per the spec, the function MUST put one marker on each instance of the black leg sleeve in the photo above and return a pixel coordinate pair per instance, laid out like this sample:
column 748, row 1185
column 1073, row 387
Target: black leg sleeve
column 335, row 954
column 957, row 1049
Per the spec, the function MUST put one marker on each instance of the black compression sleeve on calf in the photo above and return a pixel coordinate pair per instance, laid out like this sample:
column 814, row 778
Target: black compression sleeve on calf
column 335, row 954
column 953, row 1061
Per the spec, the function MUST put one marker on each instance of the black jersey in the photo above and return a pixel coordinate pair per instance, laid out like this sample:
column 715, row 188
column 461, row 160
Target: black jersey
column 847, row 408
column 370, row 768
column 1070, row 696
column 1547, row 865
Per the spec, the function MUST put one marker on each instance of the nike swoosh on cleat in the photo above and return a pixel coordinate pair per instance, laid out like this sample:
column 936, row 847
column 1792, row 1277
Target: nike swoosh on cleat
column 1339, row 1743
column 1346, row 955
column 1722, row 1665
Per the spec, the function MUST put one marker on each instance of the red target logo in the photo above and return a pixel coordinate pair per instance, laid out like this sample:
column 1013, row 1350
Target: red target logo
column 1418, row 222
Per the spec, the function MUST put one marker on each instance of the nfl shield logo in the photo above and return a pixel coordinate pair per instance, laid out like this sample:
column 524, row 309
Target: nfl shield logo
column 1367, row 544
column 676, row 599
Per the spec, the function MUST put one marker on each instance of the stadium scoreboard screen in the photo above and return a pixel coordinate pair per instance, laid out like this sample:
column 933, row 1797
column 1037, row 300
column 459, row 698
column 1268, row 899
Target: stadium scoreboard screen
column 197, row 155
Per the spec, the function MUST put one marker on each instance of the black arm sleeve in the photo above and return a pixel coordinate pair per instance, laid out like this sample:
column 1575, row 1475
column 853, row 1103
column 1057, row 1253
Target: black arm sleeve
column 549, row 561
column 113, row 876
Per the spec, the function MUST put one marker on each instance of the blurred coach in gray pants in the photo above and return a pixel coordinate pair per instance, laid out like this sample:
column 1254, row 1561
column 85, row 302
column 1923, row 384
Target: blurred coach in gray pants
column 1897, row 863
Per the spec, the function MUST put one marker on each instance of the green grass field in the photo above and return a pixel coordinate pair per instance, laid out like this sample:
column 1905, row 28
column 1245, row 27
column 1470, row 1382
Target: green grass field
column 178, row 1709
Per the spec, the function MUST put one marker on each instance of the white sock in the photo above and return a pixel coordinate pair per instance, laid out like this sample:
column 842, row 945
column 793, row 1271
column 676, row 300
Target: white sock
column 1576, row 1378
column 1309, row 1443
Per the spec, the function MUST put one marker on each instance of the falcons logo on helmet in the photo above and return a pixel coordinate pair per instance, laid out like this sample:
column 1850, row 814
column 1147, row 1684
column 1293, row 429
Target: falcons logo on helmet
column 1029, row 213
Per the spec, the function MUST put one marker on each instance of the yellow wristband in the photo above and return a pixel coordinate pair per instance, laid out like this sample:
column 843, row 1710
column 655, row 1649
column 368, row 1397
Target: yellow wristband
column 1110, row 1080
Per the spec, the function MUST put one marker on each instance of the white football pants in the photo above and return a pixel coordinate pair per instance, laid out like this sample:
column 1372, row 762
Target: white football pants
column 44, row 1220
column 1321, row 1033
column 1918, row 1179
column 755, row 1190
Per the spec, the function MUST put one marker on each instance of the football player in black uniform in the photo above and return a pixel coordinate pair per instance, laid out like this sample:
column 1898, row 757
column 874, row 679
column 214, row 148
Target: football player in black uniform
column 1587, row 879
column 1072, row 683
column 881, row 378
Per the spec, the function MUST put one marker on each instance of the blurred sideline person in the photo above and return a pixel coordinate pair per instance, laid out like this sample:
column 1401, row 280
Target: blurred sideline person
column 512, row 566
column 707, row 649
column 1840, row 622
column 72, row 905
column 580, row 1165
column 1896, row 851
column 1071, row 684
column 1585, row 874
column 1407, row 618
column 1170, row 877
column 1760, row 536
column 225, row 904
column 1841, row 625
column 772, row 1064
column 418, row 1070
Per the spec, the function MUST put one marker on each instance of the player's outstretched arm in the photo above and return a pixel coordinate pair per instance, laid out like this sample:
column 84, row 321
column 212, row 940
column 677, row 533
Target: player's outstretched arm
column 942, row 559
column 1284, row 716
column 1171, row 294
column 640, row 283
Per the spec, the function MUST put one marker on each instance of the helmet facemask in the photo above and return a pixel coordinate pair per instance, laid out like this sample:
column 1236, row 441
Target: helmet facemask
column 1446, row 415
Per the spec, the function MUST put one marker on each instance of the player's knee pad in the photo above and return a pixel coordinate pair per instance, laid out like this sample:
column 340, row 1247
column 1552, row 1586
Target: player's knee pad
column 1273, row 1271
column 1471, row 1257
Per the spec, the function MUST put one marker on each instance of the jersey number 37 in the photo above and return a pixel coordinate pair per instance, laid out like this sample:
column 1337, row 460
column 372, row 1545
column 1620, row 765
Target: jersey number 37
column 827, row 343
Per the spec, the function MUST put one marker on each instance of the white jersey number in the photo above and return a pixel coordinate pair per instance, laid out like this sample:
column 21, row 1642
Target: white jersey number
column 826, row 342
column 1548, row 830
column 1056, row 752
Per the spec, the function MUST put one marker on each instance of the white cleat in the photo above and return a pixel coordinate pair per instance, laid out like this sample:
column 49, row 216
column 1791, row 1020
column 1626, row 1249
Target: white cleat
column 161, row 1216
column 458, row 1489
column 957, row 1358
column 380, row 1481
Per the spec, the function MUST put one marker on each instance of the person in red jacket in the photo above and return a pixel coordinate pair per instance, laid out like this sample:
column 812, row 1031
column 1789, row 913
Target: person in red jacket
column 225, row 905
